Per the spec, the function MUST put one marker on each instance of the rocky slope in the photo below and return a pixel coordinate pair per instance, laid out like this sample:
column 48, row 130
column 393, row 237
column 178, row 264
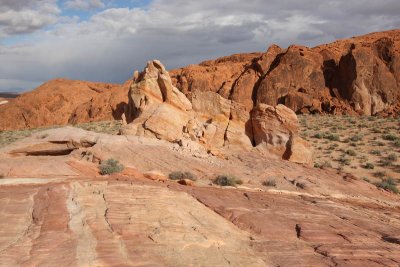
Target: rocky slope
column 360, row 75
column 57, row 210
column 61, row 101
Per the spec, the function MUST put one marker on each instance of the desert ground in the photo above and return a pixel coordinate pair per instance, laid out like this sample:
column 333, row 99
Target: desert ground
column 368, row 147
column 64, row 210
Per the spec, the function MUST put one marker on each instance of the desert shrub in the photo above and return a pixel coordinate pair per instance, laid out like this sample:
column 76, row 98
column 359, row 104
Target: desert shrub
column 269, row 183
column 392, row 157
column 380, row 143
column 380, row 174
column 385, row 162
column 344, row 161
column 388, row 185
column 110, row 166
column 318, row 135
column 301, row 185
column 332, row 137
column 356, row 138
column 375, row 152
column 366, row 179
column 368, row 166
column 389, row 137
column 351, row 152
column 227, row 180
column 325, row 164
column 177, row 175
column 397, row 143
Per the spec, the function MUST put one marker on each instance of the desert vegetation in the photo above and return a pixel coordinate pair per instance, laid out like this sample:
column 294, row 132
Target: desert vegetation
column 368, row 147
column 227, row 180
column 178, row 175
column 110, row 166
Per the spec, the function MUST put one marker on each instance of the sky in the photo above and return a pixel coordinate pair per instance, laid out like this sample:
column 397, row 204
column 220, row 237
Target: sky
column 106, row 40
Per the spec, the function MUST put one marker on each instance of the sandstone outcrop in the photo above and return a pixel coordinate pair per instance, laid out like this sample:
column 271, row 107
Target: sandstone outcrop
column 158, row 109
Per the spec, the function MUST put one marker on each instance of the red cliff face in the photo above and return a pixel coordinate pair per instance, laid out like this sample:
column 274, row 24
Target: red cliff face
column 358, row 75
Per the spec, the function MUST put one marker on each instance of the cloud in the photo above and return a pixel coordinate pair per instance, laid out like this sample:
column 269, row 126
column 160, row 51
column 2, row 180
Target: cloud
column 114, row 42
column 18, row 17
column 84, row 4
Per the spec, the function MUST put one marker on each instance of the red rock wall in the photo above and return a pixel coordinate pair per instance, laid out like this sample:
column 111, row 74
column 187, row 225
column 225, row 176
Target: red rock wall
column 358, row 75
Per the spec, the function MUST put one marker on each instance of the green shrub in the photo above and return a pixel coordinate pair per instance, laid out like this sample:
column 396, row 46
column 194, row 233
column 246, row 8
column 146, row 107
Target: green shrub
column 380, row 143
column 110, row 166
column 356, row 138
column 227, row 180
column 388, row 185
column 332, row 137
column 389, row 137
column 182, row 175
column 392, row 157
column 379, row 174
column 351, row 152
column 366, row 179
column 368, row 166
column 385, row 162
column 269, row 183
column 344, row 161
column 397, row 143
column 318, row 135
column 375, row 152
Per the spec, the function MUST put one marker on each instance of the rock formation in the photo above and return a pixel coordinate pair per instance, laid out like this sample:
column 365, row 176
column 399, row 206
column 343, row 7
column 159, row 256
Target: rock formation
column 158, row 109
column 360, row 75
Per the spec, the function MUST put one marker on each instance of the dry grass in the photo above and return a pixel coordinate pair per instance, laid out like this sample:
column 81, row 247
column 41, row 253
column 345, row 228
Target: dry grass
column 108, row 127
column 368, row 147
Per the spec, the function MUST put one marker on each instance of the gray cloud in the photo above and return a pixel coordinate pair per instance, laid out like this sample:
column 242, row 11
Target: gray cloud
column 17, row 17
column 114, row 42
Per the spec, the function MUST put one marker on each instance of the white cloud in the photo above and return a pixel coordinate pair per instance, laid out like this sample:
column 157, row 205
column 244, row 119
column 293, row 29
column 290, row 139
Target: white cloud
column 115, row 41
column 18, row 17
column 84, row 4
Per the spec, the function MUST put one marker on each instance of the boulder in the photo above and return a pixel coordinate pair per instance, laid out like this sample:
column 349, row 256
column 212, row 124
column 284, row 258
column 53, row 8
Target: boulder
column 276, row 129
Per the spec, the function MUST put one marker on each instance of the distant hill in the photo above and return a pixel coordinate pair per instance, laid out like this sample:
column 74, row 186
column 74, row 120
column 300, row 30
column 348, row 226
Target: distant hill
column 8, row 95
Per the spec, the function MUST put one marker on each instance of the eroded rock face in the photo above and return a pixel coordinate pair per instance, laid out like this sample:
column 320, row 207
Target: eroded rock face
column 360, row 75
column 158, row 109
column 276, row 128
